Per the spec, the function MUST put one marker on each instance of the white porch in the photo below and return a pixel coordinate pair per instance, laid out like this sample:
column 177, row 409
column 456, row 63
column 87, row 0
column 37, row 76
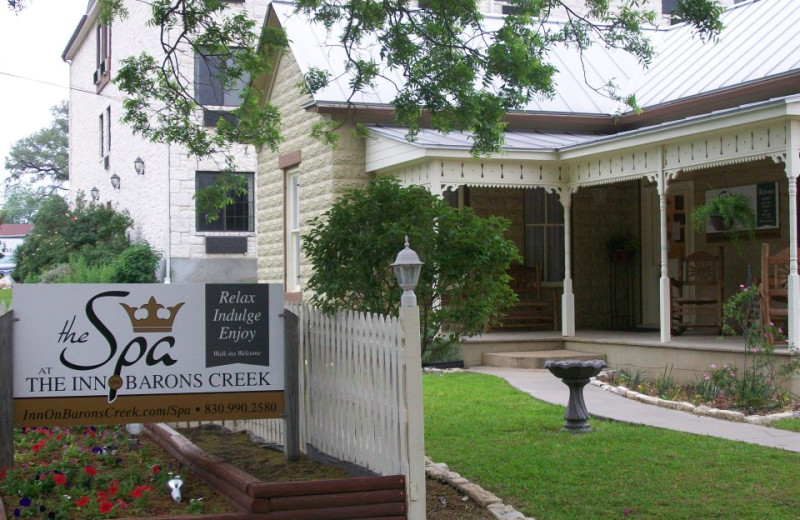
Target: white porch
column 662, row 155
column 685, row 359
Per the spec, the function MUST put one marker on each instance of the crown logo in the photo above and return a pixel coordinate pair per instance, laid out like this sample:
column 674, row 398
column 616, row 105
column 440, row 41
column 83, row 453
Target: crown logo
column 152, row 322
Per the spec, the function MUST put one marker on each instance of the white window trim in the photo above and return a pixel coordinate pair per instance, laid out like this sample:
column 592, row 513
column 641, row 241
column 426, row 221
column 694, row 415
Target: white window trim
column 293, row 240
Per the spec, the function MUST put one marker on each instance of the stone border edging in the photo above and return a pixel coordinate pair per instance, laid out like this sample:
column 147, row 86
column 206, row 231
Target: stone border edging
column 703, row 410
column 441, row 472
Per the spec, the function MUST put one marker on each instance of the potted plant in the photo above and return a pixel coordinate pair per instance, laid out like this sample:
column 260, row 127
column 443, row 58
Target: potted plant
column 728, row 213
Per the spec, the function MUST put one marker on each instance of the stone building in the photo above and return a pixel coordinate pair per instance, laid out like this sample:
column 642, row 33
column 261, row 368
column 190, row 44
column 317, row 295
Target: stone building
column 160, row 198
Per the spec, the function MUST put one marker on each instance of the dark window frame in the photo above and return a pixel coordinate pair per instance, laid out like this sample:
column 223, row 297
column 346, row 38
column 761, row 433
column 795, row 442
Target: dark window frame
column 238, row 217
column 208, row 89
column 102, row 72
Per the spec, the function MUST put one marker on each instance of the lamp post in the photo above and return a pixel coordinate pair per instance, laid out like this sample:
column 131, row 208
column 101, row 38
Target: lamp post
column 138, row 165
column 407, row 267
column 134, row 429
column 115, row 181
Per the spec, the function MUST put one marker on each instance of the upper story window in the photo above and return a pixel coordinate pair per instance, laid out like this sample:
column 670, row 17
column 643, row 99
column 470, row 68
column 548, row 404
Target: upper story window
column 102, row 72
column 544, row 233
column 236, row 216
column 209, row 87
column 104, row 134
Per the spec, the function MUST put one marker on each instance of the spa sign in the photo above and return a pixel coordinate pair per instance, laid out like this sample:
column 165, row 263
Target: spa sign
column 122, row 353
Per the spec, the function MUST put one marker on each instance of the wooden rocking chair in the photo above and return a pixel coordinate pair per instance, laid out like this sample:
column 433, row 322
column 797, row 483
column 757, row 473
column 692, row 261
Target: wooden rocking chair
column 531, row 311
column 773, row 294
column 696, row 296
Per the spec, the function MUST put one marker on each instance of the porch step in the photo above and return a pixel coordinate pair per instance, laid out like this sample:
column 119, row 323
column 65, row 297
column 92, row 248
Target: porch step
column 534, row 359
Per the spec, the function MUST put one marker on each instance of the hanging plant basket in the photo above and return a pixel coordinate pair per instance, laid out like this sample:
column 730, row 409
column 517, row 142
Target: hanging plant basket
column 718, row 223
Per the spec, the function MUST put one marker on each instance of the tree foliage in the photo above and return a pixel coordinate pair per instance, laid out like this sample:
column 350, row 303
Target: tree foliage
column 20, row 204
column 95, row 232
column 464, row 70
column 43, row 157
column 463, row 282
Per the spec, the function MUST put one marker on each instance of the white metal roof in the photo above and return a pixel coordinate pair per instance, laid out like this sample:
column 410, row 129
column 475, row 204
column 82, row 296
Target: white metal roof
column 313, row 46
column 527, row 141
column 761, row 39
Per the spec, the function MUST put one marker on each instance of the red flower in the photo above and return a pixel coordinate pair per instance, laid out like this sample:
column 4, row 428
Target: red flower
column 3, row 473
column 82, row 502
column 90, row 470
column 101, row 495
column 39, row 445
column 139, row 491
column 90, row 433
column 112, row 489
column 59, row 479
column 106, row 507
column 156, row 469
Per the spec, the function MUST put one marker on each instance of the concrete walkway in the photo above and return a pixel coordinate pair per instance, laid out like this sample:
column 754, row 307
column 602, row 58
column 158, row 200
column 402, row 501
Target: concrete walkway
column 542, row 385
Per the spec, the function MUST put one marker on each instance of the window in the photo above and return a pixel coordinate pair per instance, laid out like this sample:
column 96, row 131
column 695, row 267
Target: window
column 102, row 72
column 668, row 6
column 236, row 216
column 544, row 233
column 104, row 131
column 209, row 88
column 108, row 128
column 293, row 248
column 102, row 134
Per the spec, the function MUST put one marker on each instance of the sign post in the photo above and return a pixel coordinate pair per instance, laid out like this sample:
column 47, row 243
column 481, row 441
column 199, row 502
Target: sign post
column 6, row 392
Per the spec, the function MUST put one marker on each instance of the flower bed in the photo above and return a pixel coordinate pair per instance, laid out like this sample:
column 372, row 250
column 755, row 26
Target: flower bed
column 82, row 473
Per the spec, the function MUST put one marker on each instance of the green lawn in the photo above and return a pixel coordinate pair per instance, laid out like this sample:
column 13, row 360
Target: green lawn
column 5, row 296
column 513, row 446
column 792, row 425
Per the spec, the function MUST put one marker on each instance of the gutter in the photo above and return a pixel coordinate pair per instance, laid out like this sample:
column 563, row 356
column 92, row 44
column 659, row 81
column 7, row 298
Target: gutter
column 73, row 38
column 780, row 107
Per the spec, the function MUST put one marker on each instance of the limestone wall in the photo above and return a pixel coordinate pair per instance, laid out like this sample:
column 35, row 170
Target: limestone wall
column 325, row 172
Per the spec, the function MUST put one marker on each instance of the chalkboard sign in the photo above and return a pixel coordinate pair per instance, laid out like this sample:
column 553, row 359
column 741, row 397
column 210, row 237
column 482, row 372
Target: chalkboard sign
column 767, row 205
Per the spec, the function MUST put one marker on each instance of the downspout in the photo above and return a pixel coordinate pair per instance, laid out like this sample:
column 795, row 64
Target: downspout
column 168, row 263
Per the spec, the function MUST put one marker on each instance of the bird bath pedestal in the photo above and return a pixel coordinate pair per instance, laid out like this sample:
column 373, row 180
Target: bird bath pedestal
column 575, row 374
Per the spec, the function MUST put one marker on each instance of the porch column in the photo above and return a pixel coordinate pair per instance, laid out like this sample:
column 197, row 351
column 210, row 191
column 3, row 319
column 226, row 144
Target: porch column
column 793, row 281
column 568, row 298
column 661, row 178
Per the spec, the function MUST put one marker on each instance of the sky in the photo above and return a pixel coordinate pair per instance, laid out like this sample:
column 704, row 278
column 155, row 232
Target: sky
column 33, row 77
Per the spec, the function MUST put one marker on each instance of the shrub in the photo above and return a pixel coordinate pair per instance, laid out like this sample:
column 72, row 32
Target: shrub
column 463, row 284
column 137, row 264
column 95, row 232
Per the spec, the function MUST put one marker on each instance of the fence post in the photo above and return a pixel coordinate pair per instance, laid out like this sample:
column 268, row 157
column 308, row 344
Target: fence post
column 291, row 413
column 6, row 392
column 415, row 450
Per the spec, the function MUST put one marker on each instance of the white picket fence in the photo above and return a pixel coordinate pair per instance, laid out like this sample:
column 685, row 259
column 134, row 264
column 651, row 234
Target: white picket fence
column 360, row 393
column 351, row 389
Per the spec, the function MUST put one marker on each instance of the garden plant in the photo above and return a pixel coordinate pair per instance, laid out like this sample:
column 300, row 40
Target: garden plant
column 760, row 384
column 87, row 243
column 93, row 472
column 463, row 284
